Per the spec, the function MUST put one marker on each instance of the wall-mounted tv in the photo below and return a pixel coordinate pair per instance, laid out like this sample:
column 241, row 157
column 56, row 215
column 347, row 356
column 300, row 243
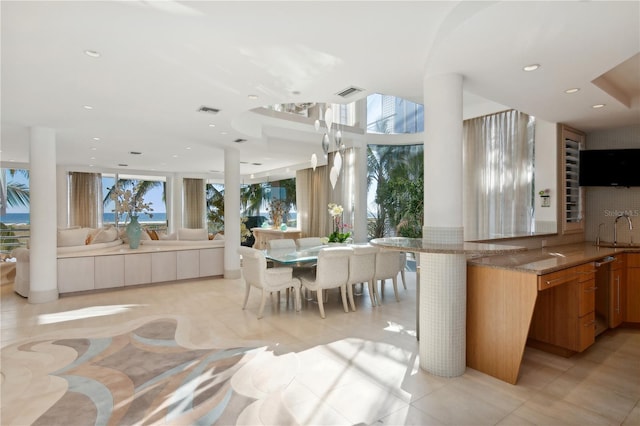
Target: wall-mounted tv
column 610, row 167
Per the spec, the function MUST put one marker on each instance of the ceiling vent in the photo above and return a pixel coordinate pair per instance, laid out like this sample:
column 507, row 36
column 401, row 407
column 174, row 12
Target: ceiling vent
column 349, row 91
column 208, row 110
column 240, row 140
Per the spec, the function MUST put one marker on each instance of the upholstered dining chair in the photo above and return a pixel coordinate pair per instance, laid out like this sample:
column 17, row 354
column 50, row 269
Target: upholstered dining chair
column 256, row 274
column 362, row 266
column 281, row 243
column 387, row 267
column 307, row 242
column 332, row 271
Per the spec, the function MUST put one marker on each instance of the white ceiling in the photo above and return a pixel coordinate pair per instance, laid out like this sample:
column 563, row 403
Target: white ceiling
column 161, row 60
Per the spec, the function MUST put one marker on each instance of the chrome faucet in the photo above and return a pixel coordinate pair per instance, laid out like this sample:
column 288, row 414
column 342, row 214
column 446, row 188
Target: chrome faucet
column 598, row 236
column 615, row 229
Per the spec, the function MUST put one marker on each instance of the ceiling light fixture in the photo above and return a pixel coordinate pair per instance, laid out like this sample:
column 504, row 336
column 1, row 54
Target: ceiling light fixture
column 223, row 133
column 92, row 53
column 188, row 148
column 253, row 97
column 212, row 125
column 596, row 106
column 96, row 139
column 123, row 165
column 570, row 91
column 87, row 107
column 531, row 67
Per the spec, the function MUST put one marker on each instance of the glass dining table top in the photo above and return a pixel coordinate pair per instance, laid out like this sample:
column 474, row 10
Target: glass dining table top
column 291, row 256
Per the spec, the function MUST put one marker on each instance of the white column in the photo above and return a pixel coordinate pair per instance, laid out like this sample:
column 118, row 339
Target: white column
column 177, row 189
column 360, row 195
column 231, row 213
column 43, row 211
column 62, row 195
column 442, row 304
column 169, row 197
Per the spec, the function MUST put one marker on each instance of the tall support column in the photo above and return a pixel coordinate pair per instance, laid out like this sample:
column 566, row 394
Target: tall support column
column 43, row 268
column 360, row 195
column 442, row 304
column 232, row 213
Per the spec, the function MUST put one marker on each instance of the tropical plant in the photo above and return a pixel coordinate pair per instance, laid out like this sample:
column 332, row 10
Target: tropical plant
column 13, row 193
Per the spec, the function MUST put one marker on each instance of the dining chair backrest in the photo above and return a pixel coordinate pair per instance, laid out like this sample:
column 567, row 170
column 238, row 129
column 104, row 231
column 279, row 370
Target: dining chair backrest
column 281, row 243
column 308, row 242
column 333, row 266
column 254, row 265
column 387, row 264
column 362, row 264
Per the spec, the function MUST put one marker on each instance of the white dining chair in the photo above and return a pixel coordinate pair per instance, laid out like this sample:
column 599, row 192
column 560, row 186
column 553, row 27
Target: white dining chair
column 402, row 258
column 332, row 271
column 387, row 267
column 307, row 242
column 255, row 273
column 281, row 243
column 362, row 266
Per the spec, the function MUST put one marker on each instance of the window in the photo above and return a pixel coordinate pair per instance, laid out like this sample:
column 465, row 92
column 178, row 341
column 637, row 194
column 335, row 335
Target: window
column 393, row 115
column 151, row 189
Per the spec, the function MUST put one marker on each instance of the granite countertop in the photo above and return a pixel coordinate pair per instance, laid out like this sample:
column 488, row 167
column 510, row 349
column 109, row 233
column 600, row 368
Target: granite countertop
column 550, row 259
column 417, row 245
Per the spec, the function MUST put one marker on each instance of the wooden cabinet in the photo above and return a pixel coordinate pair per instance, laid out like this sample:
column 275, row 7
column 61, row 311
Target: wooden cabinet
column 632, row 305
column 564, row 315
column 617, row 291
column 571, row 141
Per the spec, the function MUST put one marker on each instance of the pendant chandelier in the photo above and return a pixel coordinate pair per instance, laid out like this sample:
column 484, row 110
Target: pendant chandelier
column 326, row 142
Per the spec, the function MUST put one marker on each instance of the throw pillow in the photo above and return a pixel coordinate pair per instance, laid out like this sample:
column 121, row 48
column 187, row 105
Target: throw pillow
column 72, row 237
column 164, row 236
column 186, row 234
column 153, row 234
column 219, row 236
column 105, row 235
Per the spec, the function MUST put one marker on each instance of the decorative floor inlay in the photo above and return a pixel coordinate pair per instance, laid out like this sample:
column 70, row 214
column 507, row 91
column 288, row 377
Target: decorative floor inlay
column 144, row 377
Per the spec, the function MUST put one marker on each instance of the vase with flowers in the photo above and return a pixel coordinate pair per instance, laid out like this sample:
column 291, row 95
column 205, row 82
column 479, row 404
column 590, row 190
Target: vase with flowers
column 340, row 232
column 130, row 203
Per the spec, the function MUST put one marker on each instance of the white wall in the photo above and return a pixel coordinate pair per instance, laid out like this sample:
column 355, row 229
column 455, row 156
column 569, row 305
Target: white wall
column 603, row 203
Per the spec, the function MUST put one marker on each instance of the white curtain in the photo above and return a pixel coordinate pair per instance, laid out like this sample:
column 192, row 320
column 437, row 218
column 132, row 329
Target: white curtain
column 314, row 193
column 194, row 203
column 498, row 152
column 85, row 199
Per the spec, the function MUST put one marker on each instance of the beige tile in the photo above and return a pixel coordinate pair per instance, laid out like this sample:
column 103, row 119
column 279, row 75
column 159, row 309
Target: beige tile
column 408, row 416
column 633, row 418
column 546, row 410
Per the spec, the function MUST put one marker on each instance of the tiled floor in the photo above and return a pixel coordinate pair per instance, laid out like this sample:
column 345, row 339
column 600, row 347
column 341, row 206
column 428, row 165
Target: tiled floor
column 355, row 368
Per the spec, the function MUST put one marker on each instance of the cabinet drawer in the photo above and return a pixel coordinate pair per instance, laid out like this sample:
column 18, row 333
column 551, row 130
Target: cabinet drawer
column 585, row 272
column 586, row 297
column 553, row 279
column 619, row 262
column 586, row 331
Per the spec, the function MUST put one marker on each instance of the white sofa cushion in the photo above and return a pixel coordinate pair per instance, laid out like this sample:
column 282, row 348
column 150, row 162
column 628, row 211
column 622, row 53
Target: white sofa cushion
column 186, row 234
column 105, row 235
column 72, row 237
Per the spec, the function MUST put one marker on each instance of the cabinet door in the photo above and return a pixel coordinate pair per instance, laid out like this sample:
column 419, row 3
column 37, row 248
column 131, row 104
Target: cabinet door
column 163, row 266
column 75, row 274
column 109, row 271
column 188, row 264
column 616, row 298
column 137, row 269
column 587, row 331
column 211, row 262
column 586, row 297
column 632, row 313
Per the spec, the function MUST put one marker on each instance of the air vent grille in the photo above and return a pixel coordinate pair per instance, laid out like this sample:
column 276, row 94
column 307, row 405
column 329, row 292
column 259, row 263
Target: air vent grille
column 239, row 140
column 208, row 110
column 349, row 91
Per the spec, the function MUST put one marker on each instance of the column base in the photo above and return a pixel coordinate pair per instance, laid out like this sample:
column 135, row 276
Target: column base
column 43, row 296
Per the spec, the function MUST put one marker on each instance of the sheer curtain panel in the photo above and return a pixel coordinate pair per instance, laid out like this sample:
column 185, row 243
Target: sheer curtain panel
column 194, row 203
column 85, row 199
column 498, row 152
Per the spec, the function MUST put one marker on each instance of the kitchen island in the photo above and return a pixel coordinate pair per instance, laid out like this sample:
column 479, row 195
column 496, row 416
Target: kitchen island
column 546, row 295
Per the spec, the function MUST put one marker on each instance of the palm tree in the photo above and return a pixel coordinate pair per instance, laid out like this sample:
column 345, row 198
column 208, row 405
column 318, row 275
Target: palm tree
column 13, row 193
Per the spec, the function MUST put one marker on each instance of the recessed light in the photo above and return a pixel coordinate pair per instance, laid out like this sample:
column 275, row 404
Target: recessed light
column 175, row 156
column 531, row 67
column 252, row 176
column 253, row 97
column 92, row 53
column 188, row 148
column 295, row 92
column 87, row 107
column 223, row 133
column 596, row 106
column 212, row 125
column 570, row 91
column 92, row 158
column 96, row 139
column 94, row 148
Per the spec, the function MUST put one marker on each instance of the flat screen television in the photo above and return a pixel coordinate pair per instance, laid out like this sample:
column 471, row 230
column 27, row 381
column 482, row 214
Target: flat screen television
column 609, row 167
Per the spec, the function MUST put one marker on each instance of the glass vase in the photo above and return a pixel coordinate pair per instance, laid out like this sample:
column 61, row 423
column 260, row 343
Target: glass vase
column 134, row 230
